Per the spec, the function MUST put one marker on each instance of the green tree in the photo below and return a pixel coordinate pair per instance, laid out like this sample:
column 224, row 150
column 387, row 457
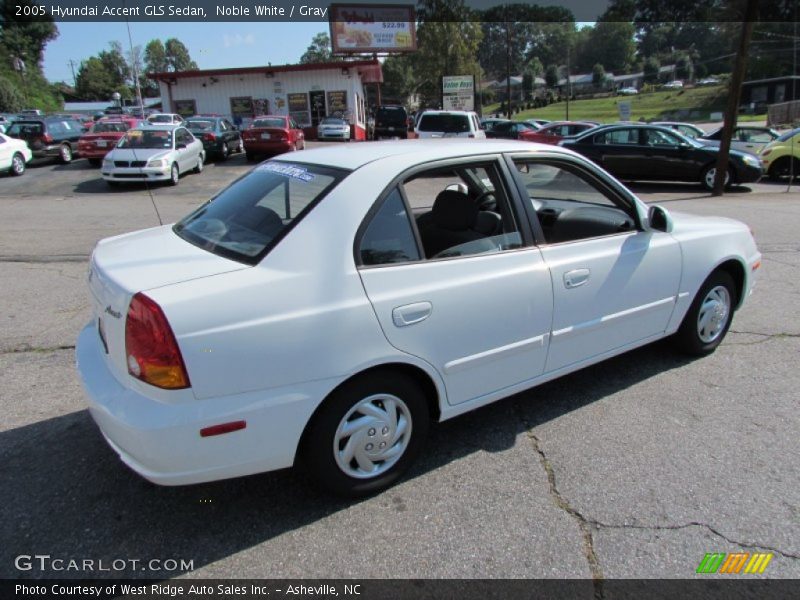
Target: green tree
column 651, row 67
column 94, row 81
column 155, row 57
column 177, row 56
column 613, row 45
column 23, row 37
column 399, row 80
column 10, row 98
column 319, row 50
column 551, row 76
column 448, row 38
column 683, row 67
column 598, row 75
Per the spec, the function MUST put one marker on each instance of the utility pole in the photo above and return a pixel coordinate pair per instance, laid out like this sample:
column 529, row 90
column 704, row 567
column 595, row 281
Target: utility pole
column 734, row 94
column 569, row 83
column 508, row 67
column 72, row 64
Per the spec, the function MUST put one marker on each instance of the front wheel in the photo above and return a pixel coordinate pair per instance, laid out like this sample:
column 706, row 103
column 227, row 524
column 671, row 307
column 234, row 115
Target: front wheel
column 17, row 164
column 65, row 153
column 709, row 175
column 709, row 317
column 174, row 175
column 366, row 434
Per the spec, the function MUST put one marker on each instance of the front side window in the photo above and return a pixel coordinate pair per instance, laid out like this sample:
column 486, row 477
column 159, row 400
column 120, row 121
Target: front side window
column 244, row 220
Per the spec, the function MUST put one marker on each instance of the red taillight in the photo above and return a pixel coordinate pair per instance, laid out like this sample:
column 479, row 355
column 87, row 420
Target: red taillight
column 47, row 138
column 210, row 137
column 150, row 347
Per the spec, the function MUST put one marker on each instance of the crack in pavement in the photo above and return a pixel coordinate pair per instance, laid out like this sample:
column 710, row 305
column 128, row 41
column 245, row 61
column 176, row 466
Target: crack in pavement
column 46, row 258
column 30, row 349
column 766, row 337
column 563, row 504
column 601, row 525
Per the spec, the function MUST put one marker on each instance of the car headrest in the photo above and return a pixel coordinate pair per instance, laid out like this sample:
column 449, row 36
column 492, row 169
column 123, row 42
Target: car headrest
column 454, row 211
column 488, row 223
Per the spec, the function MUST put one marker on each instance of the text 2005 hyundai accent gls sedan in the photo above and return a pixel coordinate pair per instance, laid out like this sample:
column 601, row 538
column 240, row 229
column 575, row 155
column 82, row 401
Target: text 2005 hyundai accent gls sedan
column 324, row 308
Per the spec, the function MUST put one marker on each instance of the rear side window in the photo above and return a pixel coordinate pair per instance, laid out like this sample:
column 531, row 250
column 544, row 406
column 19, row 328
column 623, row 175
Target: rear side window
column 25, row 129
column 248, row 217
column 444, row 123
column 388, row 238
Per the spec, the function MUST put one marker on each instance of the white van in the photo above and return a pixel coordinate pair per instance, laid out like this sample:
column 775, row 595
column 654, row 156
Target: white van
column 449, row 123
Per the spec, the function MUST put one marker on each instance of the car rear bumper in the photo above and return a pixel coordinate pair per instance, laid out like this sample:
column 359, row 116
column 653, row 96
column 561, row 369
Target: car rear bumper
column 275, row 147
column 162, row 442
column 94, row 152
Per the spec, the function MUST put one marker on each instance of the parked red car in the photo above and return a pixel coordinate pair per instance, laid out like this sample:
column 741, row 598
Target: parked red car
column 553, row 133
column 103, row 136
column 272, row 134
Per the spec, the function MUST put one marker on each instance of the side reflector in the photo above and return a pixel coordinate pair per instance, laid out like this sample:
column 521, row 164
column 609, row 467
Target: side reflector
column 222, row 428
column 756, row 265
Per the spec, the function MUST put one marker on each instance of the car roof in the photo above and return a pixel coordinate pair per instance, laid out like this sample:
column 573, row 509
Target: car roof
column 354, row 156
column 161, row 126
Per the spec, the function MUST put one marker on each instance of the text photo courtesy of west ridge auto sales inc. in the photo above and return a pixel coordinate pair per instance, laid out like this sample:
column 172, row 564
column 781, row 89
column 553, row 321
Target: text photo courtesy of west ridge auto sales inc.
column 399, row 299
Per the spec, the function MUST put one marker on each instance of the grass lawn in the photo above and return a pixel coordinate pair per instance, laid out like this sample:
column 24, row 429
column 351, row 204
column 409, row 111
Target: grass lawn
column 694, row 104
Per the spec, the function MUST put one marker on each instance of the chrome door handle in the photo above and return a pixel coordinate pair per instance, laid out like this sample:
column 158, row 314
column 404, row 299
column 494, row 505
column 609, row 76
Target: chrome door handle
column 576, row 278
column 409, row 314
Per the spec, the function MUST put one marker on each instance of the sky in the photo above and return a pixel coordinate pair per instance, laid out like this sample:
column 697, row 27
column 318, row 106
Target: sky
column 211, row 45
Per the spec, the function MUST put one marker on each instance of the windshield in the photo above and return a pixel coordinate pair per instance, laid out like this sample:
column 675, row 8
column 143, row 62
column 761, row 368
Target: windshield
column 332, row 122
column 199, row 125
column 146, row 139
column 275, row 122
column 788, row 135
column 160, row 119
column 248, row 217
column 445, row 123
column 110, row 127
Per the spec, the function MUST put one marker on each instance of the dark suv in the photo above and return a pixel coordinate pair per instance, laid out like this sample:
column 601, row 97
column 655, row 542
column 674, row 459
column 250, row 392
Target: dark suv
column 391, row 121
column 55, row 137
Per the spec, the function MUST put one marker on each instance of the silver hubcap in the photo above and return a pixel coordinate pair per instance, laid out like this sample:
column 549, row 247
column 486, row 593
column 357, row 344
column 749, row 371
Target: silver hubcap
column 372, row 436
column 713, row 314
column 175, row 174
column 18, row 164
column 712, row 174
column 66, row 153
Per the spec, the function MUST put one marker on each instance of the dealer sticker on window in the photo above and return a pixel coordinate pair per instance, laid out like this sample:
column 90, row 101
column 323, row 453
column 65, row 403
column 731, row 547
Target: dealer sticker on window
column 293, row 171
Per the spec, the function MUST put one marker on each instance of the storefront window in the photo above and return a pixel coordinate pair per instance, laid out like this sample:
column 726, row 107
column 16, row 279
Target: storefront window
column 298, row 109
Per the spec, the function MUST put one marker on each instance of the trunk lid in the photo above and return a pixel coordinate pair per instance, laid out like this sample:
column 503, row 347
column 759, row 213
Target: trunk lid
column 136, row 262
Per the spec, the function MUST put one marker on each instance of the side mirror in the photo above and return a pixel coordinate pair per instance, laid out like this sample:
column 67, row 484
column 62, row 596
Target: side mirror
column 659, row 219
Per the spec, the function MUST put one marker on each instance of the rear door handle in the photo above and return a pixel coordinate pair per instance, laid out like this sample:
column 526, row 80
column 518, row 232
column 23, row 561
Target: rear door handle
column 409, row 314
column 576, row 278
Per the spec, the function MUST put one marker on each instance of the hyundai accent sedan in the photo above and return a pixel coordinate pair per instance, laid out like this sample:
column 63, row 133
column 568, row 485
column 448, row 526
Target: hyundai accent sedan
column 327, row 306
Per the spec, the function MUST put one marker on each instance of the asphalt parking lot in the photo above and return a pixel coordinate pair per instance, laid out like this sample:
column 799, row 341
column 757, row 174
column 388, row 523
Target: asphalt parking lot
column 633, row 468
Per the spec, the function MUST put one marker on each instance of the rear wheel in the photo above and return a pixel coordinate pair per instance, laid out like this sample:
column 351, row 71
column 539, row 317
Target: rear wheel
column 225, row 152
column 17, row 164
column 65, row 153
column 710, row 173
column 783, row 168
column 709, row 317
column 240, row 147
column 198, row 168
column 366, row 433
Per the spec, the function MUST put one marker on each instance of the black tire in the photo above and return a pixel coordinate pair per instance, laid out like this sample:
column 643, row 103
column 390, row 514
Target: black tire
column 65, row 154
column 688, row 338
column 317, row 453
column 112, row 184
column 17, row 164
column 174, row 174
column 95, row 162
column 782, row 168
column 706, row 175
column 224, row 153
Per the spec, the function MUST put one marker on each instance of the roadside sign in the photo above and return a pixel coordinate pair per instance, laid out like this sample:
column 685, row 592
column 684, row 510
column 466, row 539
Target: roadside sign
column 624, row 111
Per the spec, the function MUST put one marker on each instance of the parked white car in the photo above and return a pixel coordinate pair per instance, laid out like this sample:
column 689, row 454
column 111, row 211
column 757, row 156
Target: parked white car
column 449, row 123
column 333, row 128
column 324, row 310
column 14, row 155
column 747, row 138
column 676, row 84
column 153, row 153
column 628, row 91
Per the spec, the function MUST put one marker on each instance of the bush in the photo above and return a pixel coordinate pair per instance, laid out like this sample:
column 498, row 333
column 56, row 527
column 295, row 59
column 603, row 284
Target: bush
column 10, row 98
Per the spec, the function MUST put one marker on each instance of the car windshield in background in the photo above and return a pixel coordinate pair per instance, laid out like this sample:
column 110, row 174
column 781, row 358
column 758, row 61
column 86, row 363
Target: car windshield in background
column 198, row 125
column 332, row 121
column 787, row 135
column 160, row 119
column 279, row 123
column 444, row 123
column 146, row 139
column 109, row 127
column 244, row 219
column 24, row 129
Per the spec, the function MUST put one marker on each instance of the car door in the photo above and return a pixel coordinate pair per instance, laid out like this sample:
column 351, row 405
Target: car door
column 752, row 140
column 620, row 152
column 5, row 153
column 668, row 158
column 183, row 139
column 478, row 312
column 613, row 286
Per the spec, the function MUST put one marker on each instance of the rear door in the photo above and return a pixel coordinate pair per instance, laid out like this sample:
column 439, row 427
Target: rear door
column 480, row 311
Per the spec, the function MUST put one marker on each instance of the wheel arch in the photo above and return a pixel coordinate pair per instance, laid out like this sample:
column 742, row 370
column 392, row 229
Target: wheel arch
column 417, row 374
column 735, row 268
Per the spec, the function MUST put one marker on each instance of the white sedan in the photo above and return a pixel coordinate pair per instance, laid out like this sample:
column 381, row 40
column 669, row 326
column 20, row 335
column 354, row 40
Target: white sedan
column 14, row 155
column 328, row 305
column 153, row 153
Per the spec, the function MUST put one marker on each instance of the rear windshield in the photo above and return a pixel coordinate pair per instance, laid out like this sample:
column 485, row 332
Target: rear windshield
column 111, row 127
column 251, row 215
column 396, row 115
column 160, row 119
column 280, row 123
column 199, row 125
column 444, row 123
column 25, row 129
column 146, row 139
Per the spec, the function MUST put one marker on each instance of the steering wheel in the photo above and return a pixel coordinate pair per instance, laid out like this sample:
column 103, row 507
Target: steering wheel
column 213, row 229
column 486, row 201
